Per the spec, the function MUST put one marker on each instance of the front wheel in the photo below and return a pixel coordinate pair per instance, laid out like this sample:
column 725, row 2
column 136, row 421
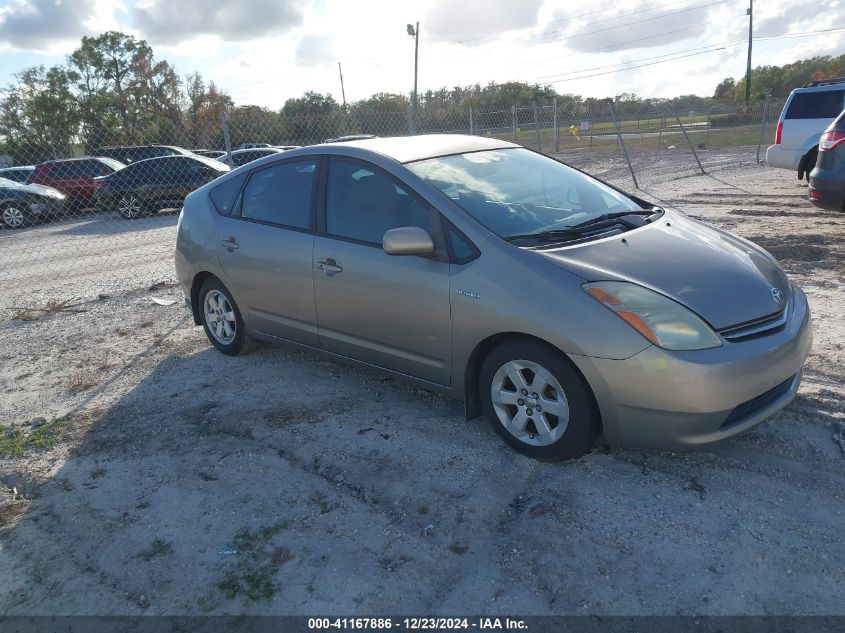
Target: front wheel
column 221, row 319
column 15, row 216
column 537, row 401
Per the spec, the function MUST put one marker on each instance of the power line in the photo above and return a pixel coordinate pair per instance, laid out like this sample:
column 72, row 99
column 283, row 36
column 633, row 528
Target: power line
column 713, row 48
column 626, row 24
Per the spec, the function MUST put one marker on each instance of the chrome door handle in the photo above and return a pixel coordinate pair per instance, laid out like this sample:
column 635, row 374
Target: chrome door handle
column 329, row 266
column 231, row 243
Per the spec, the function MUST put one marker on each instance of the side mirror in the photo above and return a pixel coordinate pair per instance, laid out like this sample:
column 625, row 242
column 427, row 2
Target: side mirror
column 407, row 240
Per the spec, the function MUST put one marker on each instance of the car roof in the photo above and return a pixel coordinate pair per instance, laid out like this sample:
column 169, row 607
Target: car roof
column 211, row 162
column 54, row 161
column 406, row 149
column 17, row 168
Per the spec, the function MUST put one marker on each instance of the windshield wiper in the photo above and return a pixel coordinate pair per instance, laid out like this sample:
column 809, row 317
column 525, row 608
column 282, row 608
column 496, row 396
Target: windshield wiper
column 546, row 236
column 618, row 214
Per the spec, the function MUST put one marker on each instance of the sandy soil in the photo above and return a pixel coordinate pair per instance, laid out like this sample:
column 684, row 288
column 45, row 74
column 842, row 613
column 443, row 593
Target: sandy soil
column 164, row 478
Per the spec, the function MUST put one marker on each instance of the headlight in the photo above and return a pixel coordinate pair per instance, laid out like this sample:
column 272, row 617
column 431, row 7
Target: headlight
column 664, row 322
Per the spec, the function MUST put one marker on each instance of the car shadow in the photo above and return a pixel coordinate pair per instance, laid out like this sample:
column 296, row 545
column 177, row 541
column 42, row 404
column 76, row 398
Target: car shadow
column 110, row 223
column 281, row 482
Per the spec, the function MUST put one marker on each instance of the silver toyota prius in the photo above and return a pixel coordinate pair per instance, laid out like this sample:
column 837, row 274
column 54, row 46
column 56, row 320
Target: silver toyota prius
column 556, row 305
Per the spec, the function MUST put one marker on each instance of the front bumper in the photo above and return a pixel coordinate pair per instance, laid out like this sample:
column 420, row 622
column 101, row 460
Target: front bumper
column 676, row 400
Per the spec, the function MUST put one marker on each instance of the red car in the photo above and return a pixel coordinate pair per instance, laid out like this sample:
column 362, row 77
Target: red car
column 75, row 177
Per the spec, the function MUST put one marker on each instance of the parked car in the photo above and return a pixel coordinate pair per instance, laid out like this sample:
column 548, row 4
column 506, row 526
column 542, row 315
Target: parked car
column 18, row 174
column 21, row 204
column 349, row 137
column 134, row 153
column 827, row 180
column 209, row 153
column 151, row 185
column 557, row 305
column 806, row 114
column 75, row 177
column 244, row 156
column 253, row 145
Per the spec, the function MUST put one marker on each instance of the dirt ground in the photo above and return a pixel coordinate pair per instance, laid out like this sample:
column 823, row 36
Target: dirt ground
column 145, row 473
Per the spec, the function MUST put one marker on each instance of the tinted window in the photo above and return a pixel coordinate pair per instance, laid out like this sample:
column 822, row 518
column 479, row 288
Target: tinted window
column 66, row 170
column 281, row 194
column 225, row 194
column 363, row 204
column 461, row 249
column 816, row 105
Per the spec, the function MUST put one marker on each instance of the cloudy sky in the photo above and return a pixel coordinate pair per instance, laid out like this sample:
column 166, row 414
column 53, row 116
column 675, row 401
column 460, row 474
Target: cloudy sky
column 265, row 51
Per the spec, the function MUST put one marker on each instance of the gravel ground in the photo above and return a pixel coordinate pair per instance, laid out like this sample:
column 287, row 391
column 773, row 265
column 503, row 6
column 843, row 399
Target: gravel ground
column 159, row 477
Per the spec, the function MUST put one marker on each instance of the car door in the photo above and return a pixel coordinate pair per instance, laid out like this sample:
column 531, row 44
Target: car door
column 390, row 311
column 265, row 248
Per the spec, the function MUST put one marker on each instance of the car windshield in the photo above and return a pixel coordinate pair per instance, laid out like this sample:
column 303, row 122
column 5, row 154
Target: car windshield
column 517, row 192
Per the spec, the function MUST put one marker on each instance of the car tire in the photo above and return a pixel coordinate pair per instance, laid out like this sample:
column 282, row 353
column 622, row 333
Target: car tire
column 221, row 319
column 538, row 401
column 130, row 207
column 14, row 216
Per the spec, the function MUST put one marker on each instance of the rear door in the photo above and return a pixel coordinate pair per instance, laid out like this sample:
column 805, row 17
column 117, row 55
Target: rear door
column 265, row 248
column 385, row 310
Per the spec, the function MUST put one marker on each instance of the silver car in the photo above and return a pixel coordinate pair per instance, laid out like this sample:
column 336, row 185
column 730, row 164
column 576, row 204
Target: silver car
column 558, row 306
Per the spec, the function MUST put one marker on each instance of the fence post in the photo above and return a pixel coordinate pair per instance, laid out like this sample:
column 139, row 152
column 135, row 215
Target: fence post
column 471, row 125
column 689, row 142
column 707, row 134
column 622, row 142
column 513, row 113
column 763, row 126
column 537, row 128
column 557, row 135
column 224, row 121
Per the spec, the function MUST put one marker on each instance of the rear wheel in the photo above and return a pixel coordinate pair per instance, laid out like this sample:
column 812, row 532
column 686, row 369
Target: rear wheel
column 15, row 216
column 129, row 207
column 221, row 319
column 537, row 401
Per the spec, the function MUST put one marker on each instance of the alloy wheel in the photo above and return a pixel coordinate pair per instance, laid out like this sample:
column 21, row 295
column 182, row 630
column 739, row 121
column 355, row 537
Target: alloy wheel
column 529, row 402
column 220, row 317
column 129, row 207
column 13, row 217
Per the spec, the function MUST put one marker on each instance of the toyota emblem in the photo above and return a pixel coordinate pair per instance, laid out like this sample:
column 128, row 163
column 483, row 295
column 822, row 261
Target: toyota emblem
column 777, row 295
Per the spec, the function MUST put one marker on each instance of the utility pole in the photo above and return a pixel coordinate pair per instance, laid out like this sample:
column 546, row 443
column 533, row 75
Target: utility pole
column 748, row 66
column 415, row 33
column 342, row 91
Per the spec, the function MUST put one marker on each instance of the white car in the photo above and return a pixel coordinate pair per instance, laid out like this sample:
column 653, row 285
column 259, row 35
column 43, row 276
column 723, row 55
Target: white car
column 806, row 114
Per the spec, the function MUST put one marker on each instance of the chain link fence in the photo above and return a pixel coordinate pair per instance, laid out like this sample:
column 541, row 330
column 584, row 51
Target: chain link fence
column 93, row 211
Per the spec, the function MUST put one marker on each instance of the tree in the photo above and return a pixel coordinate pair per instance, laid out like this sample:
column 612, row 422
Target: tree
column 39, row 114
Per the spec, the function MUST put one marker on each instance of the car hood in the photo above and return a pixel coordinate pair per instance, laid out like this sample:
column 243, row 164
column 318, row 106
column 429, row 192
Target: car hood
column 43, row 190
column 724, row 279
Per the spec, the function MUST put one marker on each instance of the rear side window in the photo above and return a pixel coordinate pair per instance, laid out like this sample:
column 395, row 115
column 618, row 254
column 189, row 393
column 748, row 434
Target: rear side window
column 816, row 105
column 281, row 194
column 224, row 195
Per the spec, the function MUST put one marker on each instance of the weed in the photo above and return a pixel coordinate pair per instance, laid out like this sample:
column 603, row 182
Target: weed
column 14, row 442
column 81, row 380
column 326, row 506
column 157, row 548
column 50, row 308
column 253, row 584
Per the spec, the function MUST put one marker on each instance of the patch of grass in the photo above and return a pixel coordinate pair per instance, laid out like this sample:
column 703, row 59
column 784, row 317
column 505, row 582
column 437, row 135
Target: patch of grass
column 98, row 472
column 326, row 506
column 10, row 512
column 259, row 561
column 14, row 442
column 157, row 548
column 252, row 584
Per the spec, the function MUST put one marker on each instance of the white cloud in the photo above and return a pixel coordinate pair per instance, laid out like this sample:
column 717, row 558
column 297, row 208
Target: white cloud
column 172, row 21
column 313, row 50
column 41, row 24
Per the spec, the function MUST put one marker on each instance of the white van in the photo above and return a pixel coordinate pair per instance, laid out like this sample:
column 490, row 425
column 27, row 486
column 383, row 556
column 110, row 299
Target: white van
column 806, row 114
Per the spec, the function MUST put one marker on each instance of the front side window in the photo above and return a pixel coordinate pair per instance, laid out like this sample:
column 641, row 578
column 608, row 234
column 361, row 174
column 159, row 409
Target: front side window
column 281, row 194
column 517, row 192
column 363, row 203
